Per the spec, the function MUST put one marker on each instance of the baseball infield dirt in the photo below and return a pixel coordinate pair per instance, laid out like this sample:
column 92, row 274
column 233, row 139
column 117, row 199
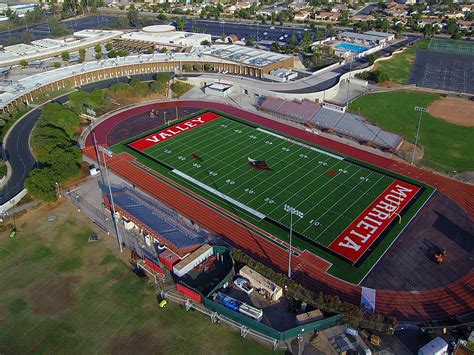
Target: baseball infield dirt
column 453, row 110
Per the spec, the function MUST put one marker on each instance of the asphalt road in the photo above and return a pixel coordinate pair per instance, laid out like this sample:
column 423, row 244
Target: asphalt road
column 43, row 30
column 367, row 10
column 19, row 155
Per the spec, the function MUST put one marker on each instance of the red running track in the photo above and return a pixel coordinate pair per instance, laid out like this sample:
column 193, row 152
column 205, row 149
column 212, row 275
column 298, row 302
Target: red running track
column 454, row 299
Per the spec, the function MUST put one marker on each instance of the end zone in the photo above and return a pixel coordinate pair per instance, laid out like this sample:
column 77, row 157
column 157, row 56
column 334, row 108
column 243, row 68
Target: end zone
column 370, row 224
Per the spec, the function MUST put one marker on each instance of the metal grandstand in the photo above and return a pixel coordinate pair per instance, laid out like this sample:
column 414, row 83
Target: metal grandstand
column 162, row 223
column 333, row 120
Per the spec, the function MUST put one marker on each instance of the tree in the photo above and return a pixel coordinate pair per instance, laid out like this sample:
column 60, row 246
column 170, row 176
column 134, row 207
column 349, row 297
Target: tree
column 344, row 19
column 187, row 67
column 157, row 86
column 82, row 55
column 205, row 43
column 180, row 23
column 40, row 184
column 23, row 63
column 133, row 16
column 27, row 37
column 57, row 29
column 65, row 56
column 163, row 77
column 98, row 56
column 57, row 65
column 250, row 42
column 98, row 48
column 109, row 46
column 10, row 41
column 428, row 30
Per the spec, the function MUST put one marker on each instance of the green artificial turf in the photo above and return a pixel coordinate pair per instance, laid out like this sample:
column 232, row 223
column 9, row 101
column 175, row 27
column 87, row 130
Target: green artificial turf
column 330, row 191
column 447, row 147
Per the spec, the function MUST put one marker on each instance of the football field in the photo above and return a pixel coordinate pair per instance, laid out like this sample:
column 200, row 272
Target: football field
column 323, row 197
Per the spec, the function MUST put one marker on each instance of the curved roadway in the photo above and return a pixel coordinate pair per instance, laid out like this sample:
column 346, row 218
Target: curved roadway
column 19, row 154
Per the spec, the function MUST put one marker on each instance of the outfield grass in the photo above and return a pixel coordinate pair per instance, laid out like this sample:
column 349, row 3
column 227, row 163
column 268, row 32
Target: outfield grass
column 447, row 147
column 398, row 68
column 60, row 294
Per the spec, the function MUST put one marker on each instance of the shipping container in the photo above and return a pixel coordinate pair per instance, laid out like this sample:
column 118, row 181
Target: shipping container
column 153, row 266
column 169, row 259
column 193, row 295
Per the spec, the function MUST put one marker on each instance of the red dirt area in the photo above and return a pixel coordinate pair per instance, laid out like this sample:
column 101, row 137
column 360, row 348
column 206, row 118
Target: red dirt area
column 437, row 303
column 454, row 110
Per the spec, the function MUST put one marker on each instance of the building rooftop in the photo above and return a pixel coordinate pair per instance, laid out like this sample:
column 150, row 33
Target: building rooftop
column 360, row 36
column 246, row 55
column 379, row 34
column 47, row 47
column 176, row 38
column 193, row 256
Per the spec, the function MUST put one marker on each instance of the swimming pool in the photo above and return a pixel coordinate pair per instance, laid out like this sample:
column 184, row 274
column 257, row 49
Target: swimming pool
column 354, row 48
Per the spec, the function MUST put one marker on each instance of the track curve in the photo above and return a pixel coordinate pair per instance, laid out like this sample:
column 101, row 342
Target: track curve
column 451, row 300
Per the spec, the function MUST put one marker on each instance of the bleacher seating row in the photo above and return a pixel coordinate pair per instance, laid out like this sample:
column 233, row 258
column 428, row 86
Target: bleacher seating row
column 343, row 123
column 147, row 213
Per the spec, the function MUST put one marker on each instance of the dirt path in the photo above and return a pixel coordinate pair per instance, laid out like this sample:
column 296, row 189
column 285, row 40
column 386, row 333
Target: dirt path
column 453, row 110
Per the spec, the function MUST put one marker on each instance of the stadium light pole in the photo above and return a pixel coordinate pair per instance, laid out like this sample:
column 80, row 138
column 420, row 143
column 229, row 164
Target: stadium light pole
column 292, row 211
column 109, row 153
column 421, row 109
column 291, row 235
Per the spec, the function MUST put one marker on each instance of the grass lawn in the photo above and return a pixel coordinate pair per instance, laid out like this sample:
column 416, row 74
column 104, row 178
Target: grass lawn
column 447, row 146
column 60, row 294
column 399, row 67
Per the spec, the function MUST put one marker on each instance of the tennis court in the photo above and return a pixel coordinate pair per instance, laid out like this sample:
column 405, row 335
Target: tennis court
column 451, row 46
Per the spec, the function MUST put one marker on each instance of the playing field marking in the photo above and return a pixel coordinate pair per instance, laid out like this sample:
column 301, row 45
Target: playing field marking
column 194, row 137
column 323, row 173
column 264, row 181
column 220, row 194
column 364, row 193
column 352, row 204
column 302, row 144
column 319, row 203
column 300, row 167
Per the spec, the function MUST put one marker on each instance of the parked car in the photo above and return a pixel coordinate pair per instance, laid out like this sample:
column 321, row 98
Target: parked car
column 243, row 285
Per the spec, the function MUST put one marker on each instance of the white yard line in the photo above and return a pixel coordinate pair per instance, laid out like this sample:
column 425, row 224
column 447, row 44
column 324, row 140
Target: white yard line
column 343, row 213
column 302, row 144
column 220, row 194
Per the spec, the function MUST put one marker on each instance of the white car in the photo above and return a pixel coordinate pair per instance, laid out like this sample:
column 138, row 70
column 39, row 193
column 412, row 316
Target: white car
column 272, row 28
column 265, row 33
column 243, row 285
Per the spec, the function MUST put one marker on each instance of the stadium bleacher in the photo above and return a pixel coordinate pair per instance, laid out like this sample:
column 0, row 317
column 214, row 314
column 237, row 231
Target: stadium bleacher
column 326, row 118
column 339, row 122
column 298, row 111
column 150, row 214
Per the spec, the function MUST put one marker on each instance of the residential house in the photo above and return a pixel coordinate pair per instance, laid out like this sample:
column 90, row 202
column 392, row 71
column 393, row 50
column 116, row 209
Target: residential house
column 327, row 16
column 302, row 16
